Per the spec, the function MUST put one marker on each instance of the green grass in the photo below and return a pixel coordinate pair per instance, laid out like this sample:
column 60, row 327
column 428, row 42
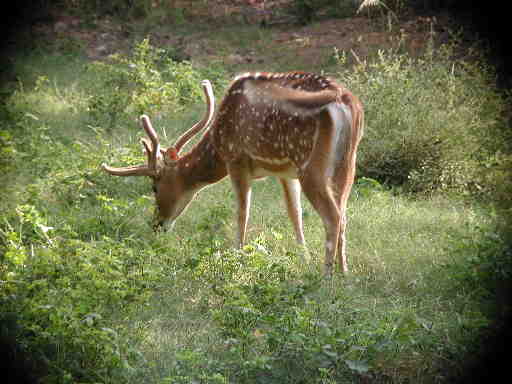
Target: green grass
column 398, row 296
column 101, row 298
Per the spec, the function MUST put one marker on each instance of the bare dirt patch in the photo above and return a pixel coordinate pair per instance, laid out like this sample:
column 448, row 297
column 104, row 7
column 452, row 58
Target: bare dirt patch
column 285, row 45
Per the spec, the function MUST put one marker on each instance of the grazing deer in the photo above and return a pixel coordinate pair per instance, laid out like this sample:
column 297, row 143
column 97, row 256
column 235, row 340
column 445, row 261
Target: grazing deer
column 300, row 127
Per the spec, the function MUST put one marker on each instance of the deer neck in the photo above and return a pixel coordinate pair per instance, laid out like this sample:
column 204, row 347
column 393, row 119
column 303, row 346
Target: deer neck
column 202, row 165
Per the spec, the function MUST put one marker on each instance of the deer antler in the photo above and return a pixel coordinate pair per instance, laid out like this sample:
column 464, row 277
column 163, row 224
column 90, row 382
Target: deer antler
column 152, row 146
column 207, row 119
column 152, row 150
column 136, row 170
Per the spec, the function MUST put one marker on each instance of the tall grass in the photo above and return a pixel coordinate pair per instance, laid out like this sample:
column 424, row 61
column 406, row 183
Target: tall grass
column 95, row 296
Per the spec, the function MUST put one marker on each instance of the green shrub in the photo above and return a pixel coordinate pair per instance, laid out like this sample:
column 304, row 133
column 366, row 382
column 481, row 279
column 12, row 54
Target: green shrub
column 70, row 274
column 63, row 292
column 484, row 262
column 431, row 123
column 7, row 151
column 67, row 281
column 149, row 81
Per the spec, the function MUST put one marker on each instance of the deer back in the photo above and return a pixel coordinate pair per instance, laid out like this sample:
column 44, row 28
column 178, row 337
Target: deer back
column 274, row 117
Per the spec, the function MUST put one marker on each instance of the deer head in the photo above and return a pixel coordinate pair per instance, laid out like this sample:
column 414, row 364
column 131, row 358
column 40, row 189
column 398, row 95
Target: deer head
column 162, row 165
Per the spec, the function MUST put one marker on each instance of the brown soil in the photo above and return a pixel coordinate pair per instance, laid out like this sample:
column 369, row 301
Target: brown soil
column 308, row 47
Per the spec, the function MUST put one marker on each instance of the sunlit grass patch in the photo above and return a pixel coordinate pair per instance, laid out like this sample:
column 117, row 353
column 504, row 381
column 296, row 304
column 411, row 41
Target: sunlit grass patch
column 401, row 233
column 393, row 310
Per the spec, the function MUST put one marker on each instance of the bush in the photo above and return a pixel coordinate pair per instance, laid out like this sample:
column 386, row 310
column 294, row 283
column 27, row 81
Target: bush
column 62, row 293
column 149, row 81
column 57, row 297
column 69, row 276
column 484, row 262
column 432, row 124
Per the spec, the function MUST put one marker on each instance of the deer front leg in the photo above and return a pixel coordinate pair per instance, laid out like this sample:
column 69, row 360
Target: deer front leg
column 241, row 185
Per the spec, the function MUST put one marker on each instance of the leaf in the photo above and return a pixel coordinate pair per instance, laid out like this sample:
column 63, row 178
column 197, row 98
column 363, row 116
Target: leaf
column 357, row 365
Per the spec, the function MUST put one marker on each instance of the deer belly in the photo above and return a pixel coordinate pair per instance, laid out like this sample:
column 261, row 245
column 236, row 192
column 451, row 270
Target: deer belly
column 279, row 167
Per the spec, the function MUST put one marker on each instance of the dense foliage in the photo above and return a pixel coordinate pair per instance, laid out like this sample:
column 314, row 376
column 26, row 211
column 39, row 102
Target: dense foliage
column 146, row 82
column 433, row 124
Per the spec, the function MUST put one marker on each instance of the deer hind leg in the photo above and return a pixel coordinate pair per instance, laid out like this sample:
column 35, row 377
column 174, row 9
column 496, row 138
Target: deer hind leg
column 321, row 198
column 291, row 189
column 242, row 186
column 341, row 251
column 342, row 171
column 342, row 181
column 317, row 187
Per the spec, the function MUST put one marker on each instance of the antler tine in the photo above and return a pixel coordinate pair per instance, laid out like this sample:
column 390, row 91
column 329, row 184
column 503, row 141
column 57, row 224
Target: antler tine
column 135, row 170
column 153, row 152
column 147, row 148
column 207, row 119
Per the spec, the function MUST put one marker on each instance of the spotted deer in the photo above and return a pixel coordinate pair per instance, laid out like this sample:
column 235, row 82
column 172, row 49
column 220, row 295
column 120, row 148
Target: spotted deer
column 300, row 127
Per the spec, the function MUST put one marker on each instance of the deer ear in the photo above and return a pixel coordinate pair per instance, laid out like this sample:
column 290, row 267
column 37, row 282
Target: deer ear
column 172, row 154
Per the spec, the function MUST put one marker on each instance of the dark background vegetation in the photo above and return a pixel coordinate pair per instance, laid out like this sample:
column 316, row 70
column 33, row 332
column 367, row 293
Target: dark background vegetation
column 484, row 20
